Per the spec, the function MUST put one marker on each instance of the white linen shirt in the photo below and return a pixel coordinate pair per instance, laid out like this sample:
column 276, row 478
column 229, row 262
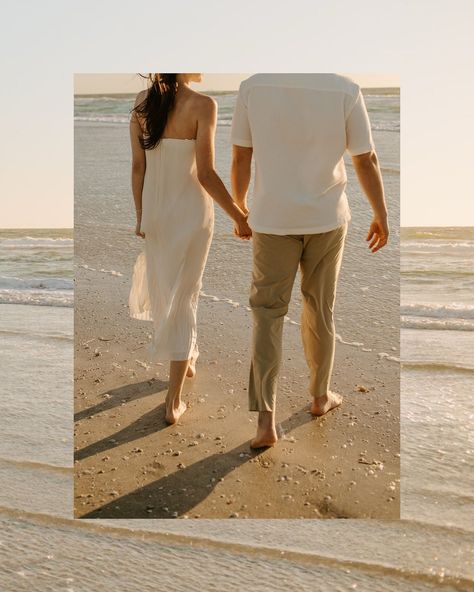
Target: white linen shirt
column 299, row 126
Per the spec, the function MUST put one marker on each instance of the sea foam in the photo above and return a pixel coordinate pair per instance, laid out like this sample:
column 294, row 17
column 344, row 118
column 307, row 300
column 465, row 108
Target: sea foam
column 439, row 311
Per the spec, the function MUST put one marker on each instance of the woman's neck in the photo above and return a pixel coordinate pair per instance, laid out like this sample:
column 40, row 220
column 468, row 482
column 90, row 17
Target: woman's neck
column 182, row 87
column 182, row 82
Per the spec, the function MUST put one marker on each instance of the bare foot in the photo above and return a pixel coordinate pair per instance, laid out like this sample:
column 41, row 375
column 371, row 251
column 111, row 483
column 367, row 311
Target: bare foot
column 191, row 371
column 264, row 440
column 174, row 411
column 322, row 405
column 266, row 431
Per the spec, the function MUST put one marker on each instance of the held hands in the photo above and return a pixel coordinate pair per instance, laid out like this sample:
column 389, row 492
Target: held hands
column 378, row 233
column 138, row 230
column 242, row 229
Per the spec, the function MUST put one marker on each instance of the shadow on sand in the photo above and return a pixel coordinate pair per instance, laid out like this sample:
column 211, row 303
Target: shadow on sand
column 150, row 423
column 178, row 493
column 123, row 394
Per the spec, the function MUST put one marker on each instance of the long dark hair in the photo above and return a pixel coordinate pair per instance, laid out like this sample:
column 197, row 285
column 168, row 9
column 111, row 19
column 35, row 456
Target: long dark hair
column 156, row 107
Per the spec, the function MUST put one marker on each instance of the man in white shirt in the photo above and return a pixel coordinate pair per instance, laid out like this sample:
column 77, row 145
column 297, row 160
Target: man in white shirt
column 298, row 127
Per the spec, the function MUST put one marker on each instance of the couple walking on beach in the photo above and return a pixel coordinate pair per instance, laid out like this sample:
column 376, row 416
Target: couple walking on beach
column 297, row 127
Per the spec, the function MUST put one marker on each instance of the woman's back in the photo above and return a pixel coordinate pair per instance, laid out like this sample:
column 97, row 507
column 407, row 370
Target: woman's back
column 171, row 187
column 182, row 119
column 172, row 194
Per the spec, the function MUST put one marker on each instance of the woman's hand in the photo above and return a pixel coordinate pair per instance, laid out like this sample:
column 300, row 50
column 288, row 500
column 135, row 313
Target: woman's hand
column 138, row 230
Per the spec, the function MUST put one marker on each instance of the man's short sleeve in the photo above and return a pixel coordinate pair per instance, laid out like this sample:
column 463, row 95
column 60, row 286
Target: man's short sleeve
column 358, row 134
column 240, row 131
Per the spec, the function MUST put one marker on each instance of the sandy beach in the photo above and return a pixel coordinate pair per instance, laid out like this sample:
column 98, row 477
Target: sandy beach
column 129, row 463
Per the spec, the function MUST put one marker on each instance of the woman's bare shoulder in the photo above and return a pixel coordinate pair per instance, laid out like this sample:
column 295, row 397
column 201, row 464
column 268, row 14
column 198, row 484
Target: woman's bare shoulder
column 203, row 102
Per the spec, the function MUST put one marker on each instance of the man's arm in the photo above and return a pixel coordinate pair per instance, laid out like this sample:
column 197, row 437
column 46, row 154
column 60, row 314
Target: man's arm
column 369, row 175
column 360, row 146
column 240, row 174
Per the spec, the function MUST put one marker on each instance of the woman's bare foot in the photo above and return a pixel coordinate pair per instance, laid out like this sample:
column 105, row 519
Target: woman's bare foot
column 191, row 371
column 266, row 431
column 322, row 405
column 174, row 409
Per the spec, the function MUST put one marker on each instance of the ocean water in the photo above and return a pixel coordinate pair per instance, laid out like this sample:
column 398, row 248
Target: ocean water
column 36, row 316
column 383, row 103
column 35, row 267
column 437, row 316
column 43, row 549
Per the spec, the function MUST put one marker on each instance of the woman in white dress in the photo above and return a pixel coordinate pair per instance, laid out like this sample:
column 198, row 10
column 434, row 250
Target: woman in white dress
column 174, row 182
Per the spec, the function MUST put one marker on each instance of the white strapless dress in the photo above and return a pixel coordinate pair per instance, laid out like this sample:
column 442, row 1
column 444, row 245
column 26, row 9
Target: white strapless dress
column 178, row 222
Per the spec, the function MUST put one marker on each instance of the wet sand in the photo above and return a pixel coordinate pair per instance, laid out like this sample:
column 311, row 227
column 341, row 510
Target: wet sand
column 130, row 464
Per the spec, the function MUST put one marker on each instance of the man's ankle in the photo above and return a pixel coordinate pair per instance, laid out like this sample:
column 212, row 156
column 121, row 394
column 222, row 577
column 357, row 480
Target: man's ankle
column 266, row 419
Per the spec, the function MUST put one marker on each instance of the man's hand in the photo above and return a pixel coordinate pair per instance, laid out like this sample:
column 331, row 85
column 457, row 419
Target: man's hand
column 378, row 234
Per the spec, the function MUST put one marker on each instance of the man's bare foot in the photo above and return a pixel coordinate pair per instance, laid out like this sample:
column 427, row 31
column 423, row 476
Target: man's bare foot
column 174, row 411
column 264, row 440
column 322, row 405
column 266, row 431
column 191, row 371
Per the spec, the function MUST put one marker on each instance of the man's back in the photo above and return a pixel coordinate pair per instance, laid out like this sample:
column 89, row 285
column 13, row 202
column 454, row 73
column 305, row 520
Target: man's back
column 299, row 126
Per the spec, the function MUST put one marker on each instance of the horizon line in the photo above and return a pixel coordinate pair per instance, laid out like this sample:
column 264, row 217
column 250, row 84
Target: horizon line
column 96, row 94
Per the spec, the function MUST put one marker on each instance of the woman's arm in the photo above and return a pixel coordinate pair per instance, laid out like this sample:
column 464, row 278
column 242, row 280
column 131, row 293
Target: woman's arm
column 207, row 175
column 240, row 174
column 138, row 168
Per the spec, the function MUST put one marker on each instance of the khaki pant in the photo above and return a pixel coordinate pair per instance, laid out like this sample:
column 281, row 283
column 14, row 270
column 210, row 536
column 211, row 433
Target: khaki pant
column 275, row 263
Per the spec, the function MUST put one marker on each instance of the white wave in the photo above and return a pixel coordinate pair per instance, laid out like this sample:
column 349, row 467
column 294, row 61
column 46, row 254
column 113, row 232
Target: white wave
column 351, row 343
column 225, row 122
column 103, row 118
column 38, row 297
column 439, row 311
column 9, row 283
column 78, row 99
column 388, row 357
column 435, row 244
column 108, row 271
column 35, row 242
column 437, row 324
column 369, row 95
column 385, row 126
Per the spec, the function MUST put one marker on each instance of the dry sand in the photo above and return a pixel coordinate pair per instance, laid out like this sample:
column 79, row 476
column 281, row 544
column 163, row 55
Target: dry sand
column 130, row 464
